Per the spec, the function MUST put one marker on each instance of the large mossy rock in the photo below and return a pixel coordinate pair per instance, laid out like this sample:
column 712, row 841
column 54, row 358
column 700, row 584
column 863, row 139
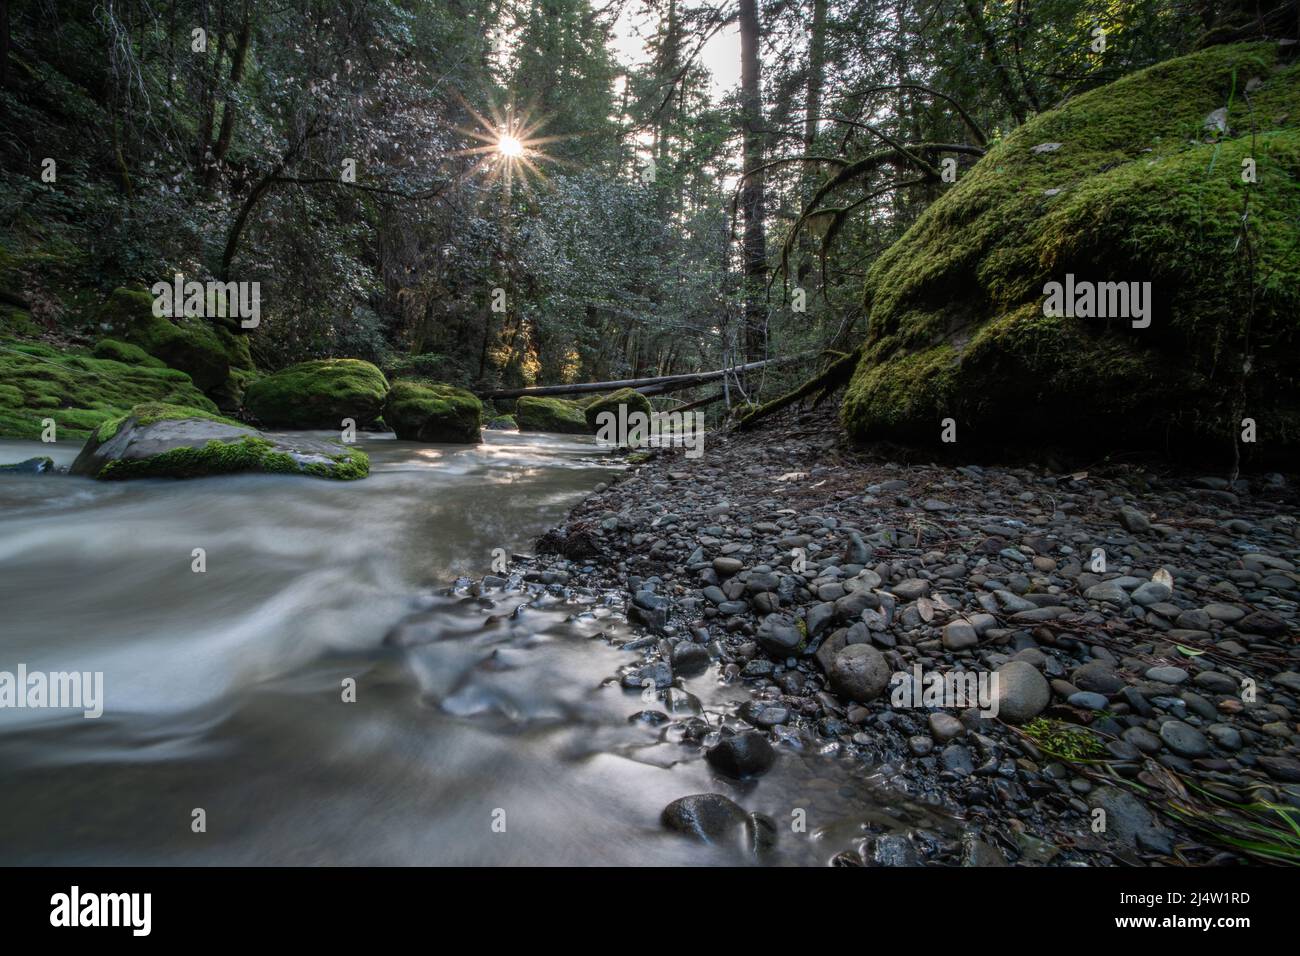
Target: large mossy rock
column 217, row 359
column 1138, row 180
column 433, row 412
column 170, row 441
column 80, row 390
column 634, row 400
column 319, row 394
column 541, row 414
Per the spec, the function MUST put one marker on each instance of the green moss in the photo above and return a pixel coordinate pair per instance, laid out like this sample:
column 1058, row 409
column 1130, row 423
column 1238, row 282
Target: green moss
column 1064, row 741
column 17, row 322
column 80, row 391
column 147, row 413
column 206, row 351
column 634, row 400
column 249, row 453
column 540, row 414
column 433, row 412
column 502, row 423
column 1138, row 190
column 319, row 394
column 125, row 353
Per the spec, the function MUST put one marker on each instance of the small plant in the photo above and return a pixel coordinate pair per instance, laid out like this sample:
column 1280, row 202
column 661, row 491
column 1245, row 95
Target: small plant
column 1064, row 741
column 1262, row 830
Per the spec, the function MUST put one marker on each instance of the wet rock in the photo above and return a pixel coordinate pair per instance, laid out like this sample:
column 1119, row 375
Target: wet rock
column 761, row 833
column 975, row 852
column 708, row 817
column 894, row 849
column 659, row 675
column 690, row 659
column 763, row 713
column 31, row 466
column 746, row 754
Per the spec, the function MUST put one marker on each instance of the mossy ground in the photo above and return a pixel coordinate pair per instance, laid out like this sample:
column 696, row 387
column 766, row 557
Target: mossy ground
column 634, row 400
column 79, row 390
column 1138, row 190
column 208, row 351
column 319, row 394
column 431, row 411
column 541, row 414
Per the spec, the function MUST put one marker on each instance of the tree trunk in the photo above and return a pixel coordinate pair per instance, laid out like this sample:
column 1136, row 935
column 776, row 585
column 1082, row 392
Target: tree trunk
column 754, row 245
column 228, row 105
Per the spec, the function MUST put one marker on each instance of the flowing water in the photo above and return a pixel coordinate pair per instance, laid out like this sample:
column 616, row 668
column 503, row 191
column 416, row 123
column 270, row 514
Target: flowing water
column 482, row 735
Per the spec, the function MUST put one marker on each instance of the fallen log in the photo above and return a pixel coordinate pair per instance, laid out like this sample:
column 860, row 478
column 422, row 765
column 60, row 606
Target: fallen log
column 655, row 385
column 835, row 375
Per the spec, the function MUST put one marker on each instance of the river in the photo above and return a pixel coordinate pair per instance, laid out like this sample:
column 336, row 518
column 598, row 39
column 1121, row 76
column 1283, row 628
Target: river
column 482, row 741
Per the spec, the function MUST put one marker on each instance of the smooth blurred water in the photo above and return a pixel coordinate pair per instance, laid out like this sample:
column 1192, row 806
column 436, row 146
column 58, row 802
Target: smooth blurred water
column 223, row 688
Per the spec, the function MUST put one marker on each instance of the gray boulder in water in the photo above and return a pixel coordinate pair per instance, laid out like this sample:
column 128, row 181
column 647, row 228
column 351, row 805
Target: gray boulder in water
column 32, row 466
column 172, row 441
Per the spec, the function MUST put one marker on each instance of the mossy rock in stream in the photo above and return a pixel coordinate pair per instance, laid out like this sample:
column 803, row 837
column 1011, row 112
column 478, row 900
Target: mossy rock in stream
column 433, row 412
column 634, row 400
column 502, row 423
column 1141, row 180
column 79, row 390
column 156, row 440
column 210, row 353
column 319, row 394
column 536, row 413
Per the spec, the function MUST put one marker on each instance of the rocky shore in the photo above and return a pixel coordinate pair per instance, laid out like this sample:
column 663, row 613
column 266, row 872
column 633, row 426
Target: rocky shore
column 1134, row 631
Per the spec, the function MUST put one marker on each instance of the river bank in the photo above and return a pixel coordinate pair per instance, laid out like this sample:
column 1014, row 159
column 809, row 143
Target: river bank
column 1138, row 691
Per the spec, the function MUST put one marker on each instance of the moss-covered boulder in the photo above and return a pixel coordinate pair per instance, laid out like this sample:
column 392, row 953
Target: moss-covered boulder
column 634, row 400
column 79, row 390
column 208, row 352
column 433, row 412
column 1142, row 180
column 540, row 414
column 156, row 440
column 502, row 423
column 319, row 394
column 125, row 353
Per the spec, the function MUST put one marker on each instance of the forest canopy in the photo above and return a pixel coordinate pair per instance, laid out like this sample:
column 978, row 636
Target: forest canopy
column 499, row 193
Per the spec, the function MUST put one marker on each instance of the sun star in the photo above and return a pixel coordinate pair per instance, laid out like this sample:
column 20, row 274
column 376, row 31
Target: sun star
column 509, row 146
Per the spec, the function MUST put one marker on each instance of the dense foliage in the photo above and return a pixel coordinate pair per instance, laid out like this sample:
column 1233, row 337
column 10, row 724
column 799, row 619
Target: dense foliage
column 652, row 225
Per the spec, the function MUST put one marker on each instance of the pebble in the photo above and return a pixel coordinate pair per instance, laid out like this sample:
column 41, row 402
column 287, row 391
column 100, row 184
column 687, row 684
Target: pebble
column 1183, row 739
